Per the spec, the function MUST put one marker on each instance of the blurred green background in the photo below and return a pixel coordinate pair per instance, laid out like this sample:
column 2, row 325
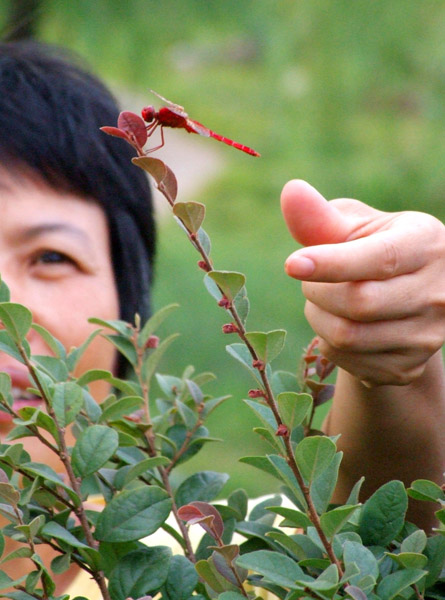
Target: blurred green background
column 346, row 94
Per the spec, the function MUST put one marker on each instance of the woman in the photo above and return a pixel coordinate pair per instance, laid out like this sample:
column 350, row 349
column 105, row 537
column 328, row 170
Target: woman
column 77, row 239
column 77, row 235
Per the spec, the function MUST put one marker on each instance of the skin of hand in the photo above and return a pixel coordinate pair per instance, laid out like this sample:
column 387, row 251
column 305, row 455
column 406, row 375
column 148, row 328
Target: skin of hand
column 375, row 296
column 373, row 282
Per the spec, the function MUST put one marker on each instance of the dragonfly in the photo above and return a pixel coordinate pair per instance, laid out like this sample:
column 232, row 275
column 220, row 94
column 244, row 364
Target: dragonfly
column 173, row 115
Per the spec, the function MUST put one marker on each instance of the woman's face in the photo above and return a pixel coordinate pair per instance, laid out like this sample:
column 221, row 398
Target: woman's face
column 55, row 258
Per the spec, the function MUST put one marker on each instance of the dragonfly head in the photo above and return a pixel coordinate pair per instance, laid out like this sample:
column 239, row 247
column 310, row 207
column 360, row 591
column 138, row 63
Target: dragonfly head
column 148, row 113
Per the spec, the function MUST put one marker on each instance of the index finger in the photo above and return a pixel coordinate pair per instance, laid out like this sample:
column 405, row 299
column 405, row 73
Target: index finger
column 381, row 255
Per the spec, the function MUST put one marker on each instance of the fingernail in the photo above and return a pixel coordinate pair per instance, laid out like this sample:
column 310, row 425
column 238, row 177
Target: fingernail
column 299, row 266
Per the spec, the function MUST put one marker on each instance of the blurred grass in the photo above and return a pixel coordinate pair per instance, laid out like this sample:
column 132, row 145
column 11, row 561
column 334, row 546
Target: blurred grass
column 348, row 95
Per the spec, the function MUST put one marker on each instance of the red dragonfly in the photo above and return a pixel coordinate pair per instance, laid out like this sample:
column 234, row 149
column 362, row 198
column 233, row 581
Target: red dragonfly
column 174, row 115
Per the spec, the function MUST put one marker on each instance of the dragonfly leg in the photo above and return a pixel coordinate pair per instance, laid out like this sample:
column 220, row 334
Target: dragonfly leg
column 162, row 140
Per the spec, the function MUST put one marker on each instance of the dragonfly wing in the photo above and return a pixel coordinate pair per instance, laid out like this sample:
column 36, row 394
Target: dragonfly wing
column 176, row 108
column 198, row 128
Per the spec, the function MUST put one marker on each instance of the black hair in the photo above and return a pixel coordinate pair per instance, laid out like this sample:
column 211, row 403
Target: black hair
column 51, row 110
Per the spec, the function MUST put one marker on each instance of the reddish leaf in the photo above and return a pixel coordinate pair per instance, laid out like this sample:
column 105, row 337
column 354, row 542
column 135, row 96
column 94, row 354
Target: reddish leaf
column 205, row 514
column 115, row 131
column 163, row 175
column 134, row 126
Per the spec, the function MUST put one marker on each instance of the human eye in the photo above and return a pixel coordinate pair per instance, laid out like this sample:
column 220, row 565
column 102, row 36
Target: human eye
column 51, row 263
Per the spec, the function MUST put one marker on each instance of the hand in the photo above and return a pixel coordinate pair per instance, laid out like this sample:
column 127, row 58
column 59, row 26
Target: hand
column 374, row 283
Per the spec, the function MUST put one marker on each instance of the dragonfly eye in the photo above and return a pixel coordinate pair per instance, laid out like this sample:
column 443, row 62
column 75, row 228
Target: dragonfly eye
column 148, row 114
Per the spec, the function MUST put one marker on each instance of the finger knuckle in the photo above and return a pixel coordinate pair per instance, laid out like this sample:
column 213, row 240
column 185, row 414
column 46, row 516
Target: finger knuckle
column 363, row 301
column 391, row 259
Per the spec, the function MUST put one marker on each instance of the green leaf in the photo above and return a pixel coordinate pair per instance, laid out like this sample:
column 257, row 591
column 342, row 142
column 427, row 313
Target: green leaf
column 56, row 347
column 121, row 407
column 323, row 487
column 154, row 322
column 276, row 568
column 203, row 486
column 143, row 466
column 265, row 414
column 16, row 318
column 204, row 240
column 293, row 407
column 54, row 367
column 125, row 347
column 53, row 530
column 268, row 345
column 383, row 514
column 208, row 572
column 242, row 305
column 292, row 518
column 229, row 282
column 231, row 596
column 422, row 489
column 8, row 346
column 153, row 359
column 415, row 542
column 356, row 553
column 139, row 573
column 67, row 401
column 334, row 520
column 238, row 500
column 409, row 560
column 241, row 353
column 94, row 447
column 181, row 580
column 133, row 514
column 392, row 585
column 313, row 455
column 5, row 296
column 191, row 214
column 76, row 354
column 286, row 474
column 46, row 472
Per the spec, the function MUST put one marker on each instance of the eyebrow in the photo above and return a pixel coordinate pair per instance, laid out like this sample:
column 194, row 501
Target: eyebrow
column 35, row 231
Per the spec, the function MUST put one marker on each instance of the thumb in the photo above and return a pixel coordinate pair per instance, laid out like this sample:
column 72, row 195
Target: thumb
column 310, row 218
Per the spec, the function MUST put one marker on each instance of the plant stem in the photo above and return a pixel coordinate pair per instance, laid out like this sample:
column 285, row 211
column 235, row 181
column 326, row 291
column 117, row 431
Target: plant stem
column 270, row 399
column 98, row 576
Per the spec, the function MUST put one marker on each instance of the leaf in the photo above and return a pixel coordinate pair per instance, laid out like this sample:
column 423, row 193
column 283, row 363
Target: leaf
column 134, row 126
column 194, row 513
column 16, row 318
column 121, row 407
column 334, row 520
column 67, row 401
column 229, row 282
column 125, row 347
column 323, row 487
column 94, row 447
column 265, row 414
column 293, row 407
column 203, row 486
column 181, row 580
column 56, row 347
column 415, row 542
column 208, row 572
column 191, row 214
column 268, row 345
column 133, row 514
column 383, row 514
column 292, row 518
column 356, row 553
column 423, row 489
column 53, row 530
column 242, row 305
column 241, row 353
column 392, row 585
column 409, row 560
column 8, row 346
column 115, row 132
column 231, row 596
column 286, row 474
column 9, row 494
column 277, row 568
column 154, row 322
column 204, row 240
column 153, row 359
column 355, row 592
column 161, row 173
column 238, row 501
column 313, row 455
column 46, row 472
column 140, row 572
column 143, row 466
